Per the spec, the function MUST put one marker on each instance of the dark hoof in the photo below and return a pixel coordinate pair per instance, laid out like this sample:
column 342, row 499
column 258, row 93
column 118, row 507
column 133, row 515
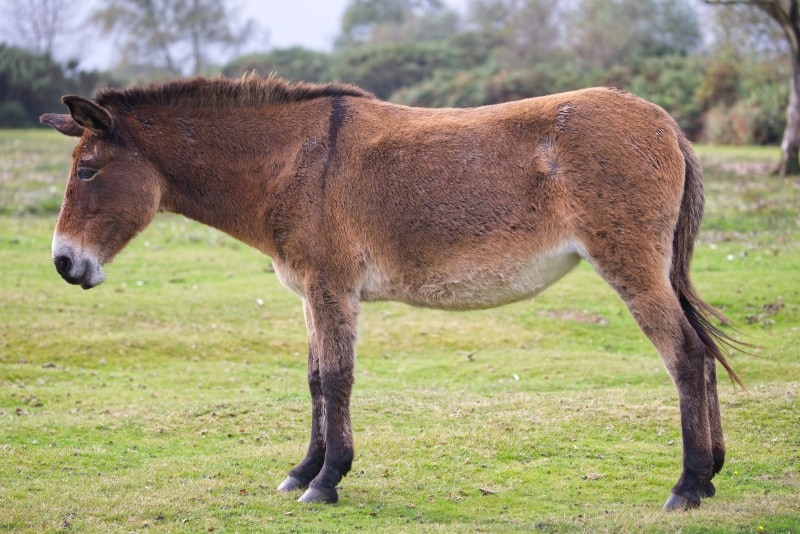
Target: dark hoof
column 707, row 490
column 679, row 502
column 291, row 484
column 319, row 495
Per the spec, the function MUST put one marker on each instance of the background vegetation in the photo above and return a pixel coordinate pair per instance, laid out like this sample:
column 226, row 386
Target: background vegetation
column 721, row 72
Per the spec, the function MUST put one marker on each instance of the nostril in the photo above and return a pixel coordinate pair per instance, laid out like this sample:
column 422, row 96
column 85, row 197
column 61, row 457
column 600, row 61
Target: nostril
column 63, row 265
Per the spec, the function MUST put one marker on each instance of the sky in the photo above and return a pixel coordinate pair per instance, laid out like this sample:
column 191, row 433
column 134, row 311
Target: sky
column 311, row 24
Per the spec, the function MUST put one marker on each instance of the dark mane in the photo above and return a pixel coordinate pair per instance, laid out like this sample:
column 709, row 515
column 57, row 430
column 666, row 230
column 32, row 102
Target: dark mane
column 249, row 90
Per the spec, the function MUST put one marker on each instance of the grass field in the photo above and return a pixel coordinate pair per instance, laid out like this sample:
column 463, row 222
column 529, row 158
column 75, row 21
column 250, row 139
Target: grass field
column 173, row 398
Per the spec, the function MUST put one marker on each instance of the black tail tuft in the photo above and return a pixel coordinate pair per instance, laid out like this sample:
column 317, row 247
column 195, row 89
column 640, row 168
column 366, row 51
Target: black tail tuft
column 697, row 311
column 712, row 336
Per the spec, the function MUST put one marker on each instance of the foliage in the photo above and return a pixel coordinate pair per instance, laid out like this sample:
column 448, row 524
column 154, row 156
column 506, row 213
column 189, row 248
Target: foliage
column 295, row 64
column 171, row 34
column 31, row 85
column 448, row 89
column 385, row 68
column 28, row 86
column 523, row 33
column 739, row 29
column 173, row 397
column 764, row 87
column 721, row 85
column 537, row 47
column 744, row 102
column 385, row 21
column 671, row 82
column 613, row 32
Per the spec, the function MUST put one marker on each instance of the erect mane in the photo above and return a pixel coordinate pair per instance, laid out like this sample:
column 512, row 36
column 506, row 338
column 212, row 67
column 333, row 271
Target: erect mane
column 249, row 90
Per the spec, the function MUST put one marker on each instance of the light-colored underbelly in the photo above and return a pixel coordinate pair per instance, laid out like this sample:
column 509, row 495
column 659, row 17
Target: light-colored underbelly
column 483, row 283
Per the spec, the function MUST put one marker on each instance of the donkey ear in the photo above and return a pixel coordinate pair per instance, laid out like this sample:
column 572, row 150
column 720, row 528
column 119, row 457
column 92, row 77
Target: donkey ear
column 63, row 123
column 89, row 115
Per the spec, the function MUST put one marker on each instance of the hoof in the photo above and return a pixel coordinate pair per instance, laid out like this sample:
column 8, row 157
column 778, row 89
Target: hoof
column 318, row 495
column 291, row 484
column 679, row 502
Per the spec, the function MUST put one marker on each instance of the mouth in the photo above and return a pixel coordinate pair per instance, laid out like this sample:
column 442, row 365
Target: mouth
column 84, row 273
column 77, row 267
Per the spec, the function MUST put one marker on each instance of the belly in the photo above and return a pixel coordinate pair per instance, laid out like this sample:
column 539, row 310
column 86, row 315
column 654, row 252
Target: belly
column 482, row 283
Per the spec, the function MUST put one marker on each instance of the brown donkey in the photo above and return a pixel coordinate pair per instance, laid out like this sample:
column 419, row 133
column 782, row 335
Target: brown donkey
column 360, row 200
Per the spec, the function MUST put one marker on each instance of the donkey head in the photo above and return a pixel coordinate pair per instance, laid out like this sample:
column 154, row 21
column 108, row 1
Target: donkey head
column 113, row 192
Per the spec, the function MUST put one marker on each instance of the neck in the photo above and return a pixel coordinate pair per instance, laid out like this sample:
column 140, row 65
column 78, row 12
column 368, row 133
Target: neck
column 227, row 168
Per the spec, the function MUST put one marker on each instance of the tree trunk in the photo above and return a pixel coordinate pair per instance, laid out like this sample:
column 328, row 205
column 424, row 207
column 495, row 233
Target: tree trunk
column 790, row 146
column 195, row 24
column 197, row 54
column 788, row 16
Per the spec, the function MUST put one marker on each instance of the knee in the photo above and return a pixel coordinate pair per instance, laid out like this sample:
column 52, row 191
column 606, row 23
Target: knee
column 336, row 385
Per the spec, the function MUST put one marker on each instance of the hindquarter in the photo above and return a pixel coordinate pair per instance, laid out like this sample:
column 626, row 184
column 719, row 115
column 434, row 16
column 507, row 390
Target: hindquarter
column 626, row 188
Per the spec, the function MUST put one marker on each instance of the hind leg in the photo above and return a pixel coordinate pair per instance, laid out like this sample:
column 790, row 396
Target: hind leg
column 656, row 308
column 687, row 369
column 661, row 318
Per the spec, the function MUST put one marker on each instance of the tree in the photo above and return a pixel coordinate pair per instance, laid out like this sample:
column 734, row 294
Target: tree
column 38, row 25
column 612, row 32
column 526, row 31
column 387, row 21
column 787, row 14
column 172, row 33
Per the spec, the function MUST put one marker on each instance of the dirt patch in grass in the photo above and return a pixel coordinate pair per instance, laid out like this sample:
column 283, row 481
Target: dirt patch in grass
column 747, row 167
column 766, row 314
column 575, row 316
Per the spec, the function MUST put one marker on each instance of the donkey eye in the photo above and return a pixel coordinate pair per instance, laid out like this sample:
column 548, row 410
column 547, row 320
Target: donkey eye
column 86, row 174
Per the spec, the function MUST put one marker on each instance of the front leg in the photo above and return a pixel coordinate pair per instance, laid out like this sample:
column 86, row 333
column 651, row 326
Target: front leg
column 305, row 471
column 333, row 316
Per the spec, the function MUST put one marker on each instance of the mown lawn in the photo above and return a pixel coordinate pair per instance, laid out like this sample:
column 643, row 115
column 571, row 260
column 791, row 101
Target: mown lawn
column 173, row 397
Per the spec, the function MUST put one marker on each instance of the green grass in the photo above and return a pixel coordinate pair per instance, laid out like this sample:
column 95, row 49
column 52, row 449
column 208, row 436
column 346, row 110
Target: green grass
column 768, row 155
column 173, row 398
column 33, row 169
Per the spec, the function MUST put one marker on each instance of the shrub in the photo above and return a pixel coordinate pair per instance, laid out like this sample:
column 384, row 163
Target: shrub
column 13, row 115
column 386, row 68
column 295, row 64
column 31, row 85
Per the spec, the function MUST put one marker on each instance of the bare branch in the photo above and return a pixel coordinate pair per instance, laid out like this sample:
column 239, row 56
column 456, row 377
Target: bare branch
column 38, row 25
column 176, row 35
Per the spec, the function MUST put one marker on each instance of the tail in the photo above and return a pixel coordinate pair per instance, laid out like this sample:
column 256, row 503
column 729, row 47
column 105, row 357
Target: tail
column 697, row 311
